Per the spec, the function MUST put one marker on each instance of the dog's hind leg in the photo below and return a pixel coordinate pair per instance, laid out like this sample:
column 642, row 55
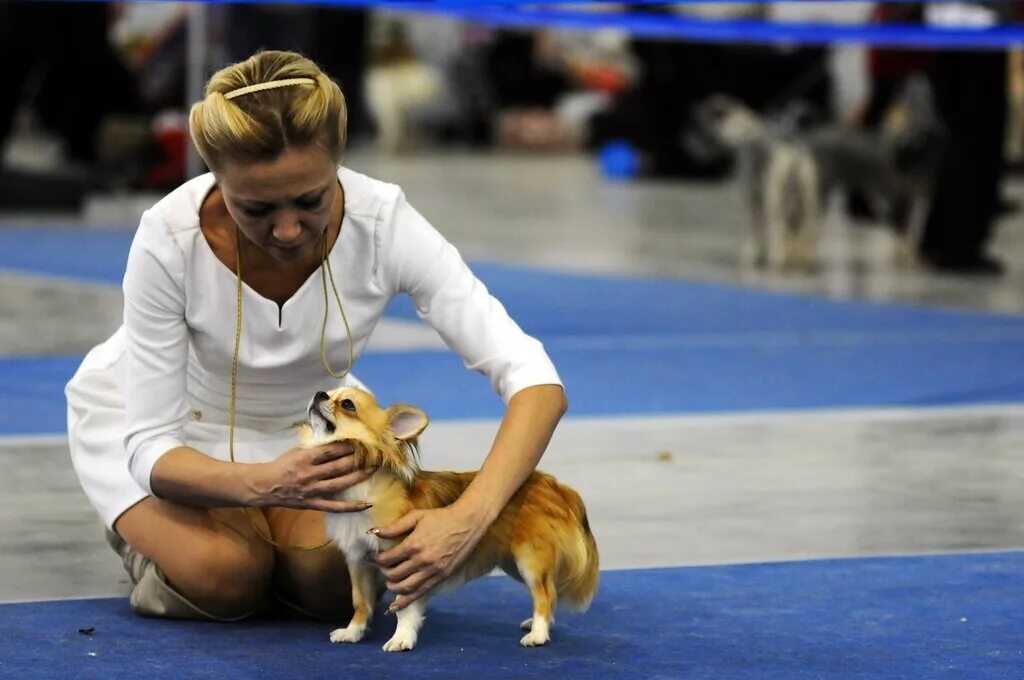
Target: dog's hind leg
column 755, row 250
column 536, row 564
column 776, row 187
column 364, row 595
column 812, row 198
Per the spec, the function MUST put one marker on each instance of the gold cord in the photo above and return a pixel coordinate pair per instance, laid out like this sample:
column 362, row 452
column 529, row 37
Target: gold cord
column 327, row 307
column 324, row 263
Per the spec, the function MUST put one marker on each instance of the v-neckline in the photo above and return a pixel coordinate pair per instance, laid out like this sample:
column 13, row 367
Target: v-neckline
column 235, row 277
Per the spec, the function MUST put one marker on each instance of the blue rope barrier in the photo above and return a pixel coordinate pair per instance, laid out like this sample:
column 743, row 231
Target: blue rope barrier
column 526, row 14
column 737, row 30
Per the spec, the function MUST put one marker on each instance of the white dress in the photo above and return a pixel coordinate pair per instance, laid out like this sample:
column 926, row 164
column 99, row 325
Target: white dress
column 163, row 379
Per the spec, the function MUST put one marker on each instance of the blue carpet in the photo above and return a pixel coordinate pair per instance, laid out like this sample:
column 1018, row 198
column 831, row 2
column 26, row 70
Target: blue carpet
column 616, row 382
column 916, row 617
column 96, row 255
column 622, row 345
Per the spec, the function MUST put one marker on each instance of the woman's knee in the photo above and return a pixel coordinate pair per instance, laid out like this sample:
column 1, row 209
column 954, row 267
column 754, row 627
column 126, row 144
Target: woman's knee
column 223, row 578
column 212, row 558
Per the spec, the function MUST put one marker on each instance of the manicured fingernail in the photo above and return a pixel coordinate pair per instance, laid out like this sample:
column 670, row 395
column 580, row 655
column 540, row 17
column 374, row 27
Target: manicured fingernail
column 366, row 506
column 392, row 609
column 375, row 531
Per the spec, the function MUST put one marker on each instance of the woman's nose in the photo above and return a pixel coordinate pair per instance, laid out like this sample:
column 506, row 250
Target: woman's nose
column 286, row 228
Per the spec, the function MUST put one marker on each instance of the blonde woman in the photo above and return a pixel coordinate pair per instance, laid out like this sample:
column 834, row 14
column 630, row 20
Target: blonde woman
column 253, row 248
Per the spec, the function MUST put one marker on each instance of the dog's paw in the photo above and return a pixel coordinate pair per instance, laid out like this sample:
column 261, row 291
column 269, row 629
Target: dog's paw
column 350, row 634
column 535, row 639
column 528, row 623
column 402, row 641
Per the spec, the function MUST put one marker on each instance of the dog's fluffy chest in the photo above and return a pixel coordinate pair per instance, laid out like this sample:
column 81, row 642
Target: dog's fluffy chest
column 349, row 530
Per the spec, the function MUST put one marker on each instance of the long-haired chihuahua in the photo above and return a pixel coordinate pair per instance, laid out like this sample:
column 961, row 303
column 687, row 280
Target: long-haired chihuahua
column 542, row 537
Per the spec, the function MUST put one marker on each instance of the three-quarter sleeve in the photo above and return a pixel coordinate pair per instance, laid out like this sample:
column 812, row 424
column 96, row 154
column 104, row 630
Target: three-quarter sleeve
column 156, row 349
column 414, row 258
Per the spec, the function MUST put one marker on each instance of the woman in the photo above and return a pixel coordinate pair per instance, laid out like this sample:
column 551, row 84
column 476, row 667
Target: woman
column 148, row 410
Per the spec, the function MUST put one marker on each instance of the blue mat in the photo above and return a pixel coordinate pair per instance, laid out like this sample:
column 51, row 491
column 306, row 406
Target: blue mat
column 622, row 345
column 617, row 382
column 915, row 617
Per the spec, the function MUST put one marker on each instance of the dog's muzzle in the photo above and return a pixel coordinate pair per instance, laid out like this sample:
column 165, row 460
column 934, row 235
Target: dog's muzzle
column 321, row 419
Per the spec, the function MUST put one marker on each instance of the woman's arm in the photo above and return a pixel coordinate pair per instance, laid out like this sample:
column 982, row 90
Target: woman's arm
column 523, row 436
column 415, row 259
column 299, row 478
column 439, row 540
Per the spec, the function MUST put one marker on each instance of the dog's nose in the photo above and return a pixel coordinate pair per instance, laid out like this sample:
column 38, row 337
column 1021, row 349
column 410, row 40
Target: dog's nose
column 319, row 398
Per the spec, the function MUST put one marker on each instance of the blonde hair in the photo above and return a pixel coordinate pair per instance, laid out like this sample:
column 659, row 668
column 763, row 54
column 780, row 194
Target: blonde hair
column 260, row 125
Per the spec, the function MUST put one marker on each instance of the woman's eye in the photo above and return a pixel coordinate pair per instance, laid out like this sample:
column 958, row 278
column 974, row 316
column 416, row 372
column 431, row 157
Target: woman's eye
column 348, row 405
column 308, row 205
column 256, row 212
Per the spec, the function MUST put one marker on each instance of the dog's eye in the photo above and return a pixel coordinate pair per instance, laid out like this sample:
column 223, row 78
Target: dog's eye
column 348, row 405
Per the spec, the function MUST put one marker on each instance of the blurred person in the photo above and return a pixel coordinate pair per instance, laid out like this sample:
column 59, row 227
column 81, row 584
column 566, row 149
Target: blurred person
column 971, row 95
column 58, row 57
column 153, row 414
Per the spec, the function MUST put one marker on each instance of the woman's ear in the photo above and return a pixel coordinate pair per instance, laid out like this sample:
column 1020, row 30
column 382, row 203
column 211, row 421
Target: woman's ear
column 406, row 422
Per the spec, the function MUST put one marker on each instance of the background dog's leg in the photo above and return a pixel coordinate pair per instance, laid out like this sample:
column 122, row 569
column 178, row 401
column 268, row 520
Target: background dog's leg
column 364, row 595
column 759, row 242
column 410, row 620
column 537, row 570
column 909, row 242
column 813, row 199
column 776, row 228
column 752, row 184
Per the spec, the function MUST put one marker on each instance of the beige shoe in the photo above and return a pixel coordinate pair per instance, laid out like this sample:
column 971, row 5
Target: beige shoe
column 134, row 561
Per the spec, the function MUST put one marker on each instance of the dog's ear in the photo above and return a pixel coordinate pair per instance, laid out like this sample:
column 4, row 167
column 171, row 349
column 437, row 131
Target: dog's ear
column 406, row 422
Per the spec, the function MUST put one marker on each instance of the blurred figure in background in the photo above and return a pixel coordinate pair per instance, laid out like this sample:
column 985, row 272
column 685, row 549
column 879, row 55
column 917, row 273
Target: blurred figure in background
column 970, row 91
column 58, row 56
column 58, row 59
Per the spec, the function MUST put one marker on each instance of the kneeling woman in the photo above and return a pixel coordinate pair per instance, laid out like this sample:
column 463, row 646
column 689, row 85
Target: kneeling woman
column 181, row 425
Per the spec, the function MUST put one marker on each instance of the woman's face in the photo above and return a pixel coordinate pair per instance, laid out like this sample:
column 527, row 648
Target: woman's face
column 283, row 205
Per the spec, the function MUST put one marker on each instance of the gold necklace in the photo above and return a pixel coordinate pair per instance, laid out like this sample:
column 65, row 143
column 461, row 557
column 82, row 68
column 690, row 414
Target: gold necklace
column 325, row 264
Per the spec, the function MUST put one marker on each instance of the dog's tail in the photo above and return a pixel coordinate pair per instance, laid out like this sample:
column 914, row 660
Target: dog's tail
column 579, row 571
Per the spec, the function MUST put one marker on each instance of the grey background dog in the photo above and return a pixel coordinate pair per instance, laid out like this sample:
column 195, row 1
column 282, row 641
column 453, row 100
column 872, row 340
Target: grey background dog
column 790, row 173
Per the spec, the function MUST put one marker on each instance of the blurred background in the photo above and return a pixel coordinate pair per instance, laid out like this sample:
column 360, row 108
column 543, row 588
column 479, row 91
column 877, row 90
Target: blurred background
column 95, row 98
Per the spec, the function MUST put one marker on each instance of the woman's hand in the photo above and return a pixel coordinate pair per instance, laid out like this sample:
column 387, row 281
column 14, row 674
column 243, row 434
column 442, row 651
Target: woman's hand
column 438, row 542
column 310, row 479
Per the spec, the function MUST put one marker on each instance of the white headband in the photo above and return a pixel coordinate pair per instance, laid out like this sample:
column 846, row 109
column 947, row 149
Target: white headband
column 271, row 85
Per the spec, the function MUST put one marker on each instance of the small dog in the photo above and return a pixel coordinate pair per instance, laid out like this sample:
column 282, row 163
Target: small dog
column 542, row 537
column 790, row 174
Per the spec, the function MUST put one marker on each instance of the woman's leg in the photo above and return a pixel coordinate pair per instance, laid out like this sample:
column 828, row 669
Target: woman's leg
column 212, row 558
column 315, row 582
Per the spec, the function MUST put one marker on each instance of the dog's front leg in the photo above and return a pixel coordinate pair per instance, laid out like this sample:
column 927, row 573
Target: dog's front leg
column 364, row 595
column 410, row 620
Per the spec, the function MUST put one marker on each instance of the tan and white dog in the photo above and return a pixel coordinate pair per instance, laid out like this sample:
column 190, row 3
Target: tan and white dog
column 542, row 537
